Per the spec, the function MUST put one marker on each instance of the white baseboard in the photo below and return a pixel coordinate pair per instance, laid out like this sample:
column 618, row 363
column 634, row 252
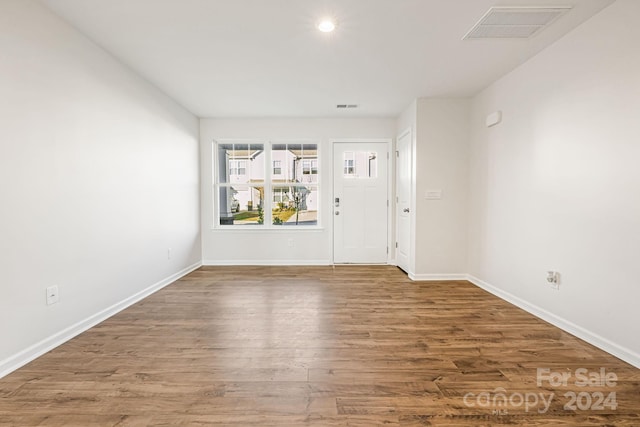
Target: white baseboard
column 436, row 277
column 278, row 262
column 610, row 347
column 25, row 356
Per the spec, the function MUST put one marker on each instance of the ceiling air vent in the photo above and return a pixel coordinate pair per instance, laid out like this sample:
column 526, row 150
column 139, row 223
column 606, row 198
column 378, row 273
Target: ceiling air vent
column 347, row 106
column 514, row 22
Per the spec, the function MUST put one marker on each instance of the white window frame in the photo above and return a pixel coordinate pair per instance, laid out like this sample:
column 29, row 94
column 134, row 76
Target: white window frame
column 268, row 185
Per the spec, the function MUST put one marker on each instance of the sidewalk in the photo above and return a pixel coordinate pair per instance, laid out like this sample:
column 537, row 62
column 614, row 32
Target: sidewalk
column 304, row 218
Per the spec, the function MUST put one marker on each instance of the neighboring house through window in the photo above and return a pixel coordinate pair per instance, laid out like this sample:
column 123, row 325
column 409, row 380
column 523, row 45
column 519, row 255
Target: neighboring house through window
column 310, row 167
column 243, row 184
column 349, row 163
column 360, row 164
column 237, row 167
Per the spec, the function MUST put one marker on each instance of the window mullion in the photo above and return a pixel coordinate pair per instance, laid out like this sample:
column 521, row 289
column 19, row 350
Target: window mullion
column 268, row 188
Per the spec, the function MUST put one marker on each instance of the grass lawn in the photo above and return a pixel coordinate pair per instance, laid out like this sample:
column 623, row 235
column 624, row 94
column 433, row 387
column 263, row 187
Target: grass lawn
column 283, row 215
column 253, row 215
column 244, row 215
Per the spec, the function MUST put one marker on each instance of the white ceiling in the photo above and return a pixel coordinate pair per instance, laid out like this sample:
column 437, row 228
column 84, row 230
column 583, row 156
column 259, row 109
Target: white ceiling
column 265, row 58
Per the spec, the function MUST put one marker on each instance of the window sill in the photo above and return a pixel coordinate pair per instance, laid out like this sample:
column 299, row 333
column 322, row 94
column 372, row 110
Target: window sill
column 277, row 229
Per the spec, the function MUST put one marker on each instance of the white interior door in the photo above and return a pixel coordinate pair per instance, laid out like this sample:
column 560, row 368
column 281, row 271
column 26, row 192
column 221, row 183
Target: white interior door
column 403, row 201
column 360, row 206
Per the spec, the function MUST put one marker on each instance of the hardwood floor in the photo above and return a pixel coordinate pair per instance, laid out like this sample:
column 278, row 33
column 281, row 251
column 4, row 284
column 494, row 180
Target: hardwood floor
column 317, row 346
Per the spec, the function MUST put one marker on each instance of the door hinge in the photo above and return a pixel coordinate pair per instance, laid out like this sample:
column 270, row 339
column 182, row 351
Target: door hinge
column 387, row 249
column 387, row 155
column 387, row 203
column 396, row 245
column 397, row 154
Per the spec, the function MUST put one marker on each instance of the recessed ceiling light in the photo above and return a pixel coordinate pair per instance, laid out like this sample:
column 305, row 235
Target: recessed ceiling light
column 327, row 25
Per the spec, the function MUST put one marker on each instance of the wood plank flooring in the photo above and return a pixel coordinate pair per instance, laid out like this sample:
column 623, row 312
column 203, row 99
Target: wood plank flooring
column 316, row 346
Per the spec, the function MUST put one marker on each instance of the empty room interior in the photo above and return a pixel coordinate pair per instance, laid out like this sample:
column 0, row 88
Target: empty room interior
column 319, row 213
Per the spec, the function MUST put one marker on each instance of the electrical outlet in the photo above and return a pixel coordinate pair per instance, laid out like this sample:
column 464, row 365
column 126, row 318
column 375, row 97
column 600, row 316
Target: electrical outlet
column 553, row 278
column 52, row 295
column 290, row 243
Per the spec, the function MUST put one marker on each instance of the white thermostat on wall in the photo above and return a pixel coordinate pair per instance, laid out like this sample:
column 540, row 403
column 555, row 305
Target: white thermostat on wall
column 494, row 118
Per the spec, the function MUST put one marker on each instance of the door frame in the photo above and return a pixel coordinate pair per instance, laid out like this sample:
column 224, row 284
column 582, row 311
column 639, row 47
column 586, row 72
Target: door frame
column 390, row 191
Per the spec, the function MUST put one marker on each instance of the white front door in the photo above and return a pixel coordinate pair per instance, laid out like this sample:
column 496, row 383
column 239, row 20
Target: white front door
column 403, row 201
column 360, row 202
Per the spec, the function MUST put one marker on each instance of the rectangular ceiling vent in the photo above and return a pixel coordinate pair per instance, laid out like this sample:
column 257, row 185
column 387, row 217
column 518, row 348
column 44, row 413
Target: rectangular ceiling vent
column 514, row 22
column 347, row 106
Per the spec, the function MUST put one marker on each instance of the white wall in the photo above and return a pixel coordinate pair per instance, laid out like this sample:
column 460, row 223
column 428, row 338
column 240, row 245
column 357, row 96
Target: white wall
column 555, row 186
column 271, row 246
column 408, row 118
column 441, row 153
column 98, row 178
column 440, row 139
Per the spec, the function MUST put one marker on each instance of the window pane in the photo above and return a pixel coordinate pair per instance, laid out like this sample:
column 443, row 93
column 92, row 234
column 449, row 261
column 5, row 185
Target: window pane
column 281, row 154
column 349, row 163
column 299, row 163
column 277, row 167
column 360, row 164
column 241, row 163
column 295, row 205
column 241, row 205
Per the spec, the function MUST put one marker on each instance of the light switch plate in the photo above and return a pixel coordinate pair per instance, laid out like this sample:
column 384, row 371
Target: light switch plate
column 433, row 194
column 52, row 295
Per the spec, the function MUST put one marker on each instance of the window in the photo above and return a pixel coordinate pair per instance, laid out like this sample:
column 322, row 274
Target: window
column 237, row 167
column 298, row 184
column 280, row 195
column 240, row 184
column 309, row 167
column 250, row 194
column 360, row 164
column 349, row 163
